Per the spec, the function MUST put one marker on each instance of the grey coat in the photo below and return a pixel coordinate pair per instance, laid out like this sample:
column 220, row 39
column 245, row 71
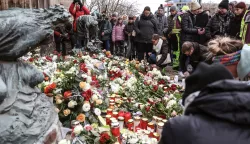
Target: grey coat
column 105, row 27
column 162, row 24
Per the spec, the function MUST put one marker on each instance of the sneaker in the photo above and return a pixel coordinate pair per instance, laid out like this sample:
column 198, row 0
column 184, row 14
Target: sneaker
column 181, row 74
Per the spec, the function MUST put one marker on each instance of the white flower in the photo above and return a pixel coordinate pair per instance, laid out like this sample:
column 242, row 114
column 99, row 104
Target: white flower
column 97, row 111
column 78, row 129
column 89, row 79
column 86, row 107
column 133, row 140
column 64, row 141
column 59, row 101
column 54, row 58
column 72, row 69
column 171, row 103
column 94, row 97
column 154, row 141
column 72, row 104
column 100, row 77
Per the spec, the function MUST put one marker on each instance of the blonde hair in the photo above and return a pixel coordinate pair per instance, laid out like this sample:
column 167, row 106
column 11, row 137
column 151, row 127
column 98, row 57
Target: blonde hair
column 223, row 46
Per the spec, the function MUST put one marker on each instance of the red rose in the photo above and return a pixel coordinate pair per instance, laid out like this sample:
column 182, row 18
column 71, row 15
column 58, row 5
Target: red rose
column 173, row 87
column 48, row 58
column 67, row 94
column 31, row 59
column 74, row 61
column 87, row 95
column 46, row 89
column 104, row 138
column 52, row 86
column 155, row 87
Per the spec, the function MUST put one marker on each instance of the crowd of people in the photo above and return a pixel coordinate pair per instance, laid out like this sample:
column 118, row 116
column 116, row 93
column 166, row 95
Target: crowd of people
column 182, row 40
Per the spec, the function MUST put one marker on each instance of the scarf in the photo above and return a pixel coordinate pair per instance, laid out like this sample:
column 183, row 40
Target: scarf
column 157, row 48
column 229, row 59
column 224, row 24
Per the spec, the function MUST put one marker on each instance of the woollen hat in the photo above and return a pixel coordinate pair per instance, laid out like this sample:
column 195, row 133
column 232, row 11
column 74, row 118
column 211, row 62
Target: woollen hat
column 185, row 8
column 161, row 7
column 224, row 4
column 243, row 67
column 147, row 8
column 204, row 75
column 241, row 5
column 174, row 8
column 194, row 5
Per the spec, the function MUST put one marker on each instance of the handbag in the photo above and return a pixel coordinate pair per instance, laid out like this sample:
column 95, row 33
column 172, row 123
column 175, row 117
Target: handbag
column 166, row 61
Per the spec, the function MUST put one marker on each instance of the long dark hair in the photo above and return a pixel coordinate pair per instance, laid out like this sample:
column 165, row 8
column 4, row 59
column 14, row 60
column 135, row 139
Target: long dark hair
column 119, row 24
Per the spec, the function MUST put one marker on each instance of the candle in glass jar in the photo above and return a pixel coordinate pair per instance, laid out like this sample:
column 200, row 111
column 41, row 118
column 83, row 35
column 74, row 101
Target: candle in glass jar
column 136, row 122
column 154, row 119
column 115, row 129
column 115, row 115
column 109, row 111
column 164, row 120
column 112, row 105
column 121, row 114
column 112, row 97
column 151, row 127
column 160, row 128
column 127, row 116
column 144, row 123
column 108, row 121
column 156, row 135
column 130, row 124
column 121, row 122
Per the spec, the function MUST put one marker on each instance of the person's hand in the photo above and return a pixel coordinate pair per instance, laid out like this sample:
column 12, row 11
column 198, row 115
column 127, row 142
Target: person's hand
column 129, row 34
column 154, row 66
column 149, row 53
column 102, row 33
column 201, row 31
column 164, row 38
column 186, row 74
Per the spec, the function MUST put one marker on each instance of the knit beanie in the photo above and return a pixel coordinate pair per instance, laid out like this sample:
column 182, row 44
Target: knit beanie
column 194, row 5
column 185, row 8
column 241, row 5
column 224, row 4
column 174, row 8
column 131, row 17
column 204, row 75
column 161, row 7
column 243, row 67
column 147, row 8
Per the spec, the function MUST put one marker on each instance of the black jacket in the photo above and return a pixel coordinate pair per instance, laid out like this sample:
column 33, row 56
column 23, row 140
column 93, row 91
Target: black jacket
column 219, row 115
column 128, row 30
column 163, row 52
column 235, row 25
column 218, row 26
column 145, row 27
column 188, row 30
column 200, row 54
column 162, row 24
column 106, row 27
column 201, row 22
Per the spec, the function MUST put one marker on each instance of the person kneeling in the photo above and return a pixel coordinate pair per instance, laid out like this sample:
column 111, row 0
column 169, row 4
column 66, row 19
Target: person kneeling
column 159, row 55
column 193, row 54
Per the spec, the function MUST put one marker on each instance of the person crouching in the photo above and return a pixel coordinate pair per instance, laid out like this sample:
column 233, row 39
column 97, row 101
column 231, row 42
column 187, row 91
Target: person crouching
column 159, row 54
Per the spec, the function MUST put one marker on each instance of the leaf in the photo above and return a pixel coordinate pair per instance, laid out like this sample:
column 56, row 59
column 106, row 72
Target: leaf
column 96, row 141
column 95, row 133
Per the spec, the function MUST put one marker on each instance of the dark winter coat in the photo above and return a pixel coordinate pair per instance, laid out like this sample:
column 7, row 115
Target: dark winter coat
column 218, row 26
column 201, row 22
column 163, row 52
column 188, row 30
column 106, row 27
column 113, row 22
column 199, row 55
column 234, row 27
column 145, row 27
column 218, row 115
column 170, row 23
column 128, row 30
column 162, row 24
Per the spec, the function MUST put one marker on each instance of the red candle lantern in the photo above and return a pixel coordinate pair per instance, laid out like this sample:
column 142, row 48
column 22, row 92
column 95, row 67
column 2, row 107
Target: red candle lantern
column 108, row 121
column 121, row 114
column 127, row 116
column 115, row 115
column 144, row 123
column 109, row 111
column 130, row 125
column 115, row 129
column 156, row 135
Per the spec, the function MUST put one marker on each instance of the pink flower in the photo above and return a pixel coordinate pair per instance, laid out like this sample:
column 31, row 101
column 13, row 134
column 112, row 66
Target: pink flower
column 88, row 127
column 173, row 114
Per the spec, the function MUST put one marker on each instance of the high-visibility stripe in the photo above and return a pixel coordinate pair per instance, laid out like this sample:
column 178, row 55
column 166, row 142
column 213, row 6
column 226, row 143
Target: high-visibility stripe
column 243, row 28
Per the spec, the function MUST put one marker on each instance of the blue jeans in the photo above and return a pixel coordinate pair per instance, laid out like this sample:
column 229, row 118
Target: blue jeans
column 152, row 59
column 106, row 45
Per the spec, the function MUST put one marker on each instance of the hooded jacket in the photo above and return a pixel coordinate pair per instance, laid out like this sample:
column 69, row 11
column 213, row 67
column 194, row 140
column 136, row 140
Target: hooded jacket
column 162, row 23
column 77, row 13
column 145, row 27
column 218, row 115
column 188, row 30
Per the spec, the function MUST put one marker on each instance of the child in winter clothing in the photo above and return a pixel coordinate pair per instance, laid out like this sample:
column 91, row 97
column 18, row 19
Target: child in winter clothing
column 128, row 31
column 118, row 37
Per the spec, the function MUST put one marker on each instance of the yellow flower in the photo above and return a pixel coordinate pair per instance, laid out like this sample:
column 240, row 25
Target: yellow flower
column 80, row 117
column 98, row 102
column 66, row 112
column 82, row 85
column 58, row 101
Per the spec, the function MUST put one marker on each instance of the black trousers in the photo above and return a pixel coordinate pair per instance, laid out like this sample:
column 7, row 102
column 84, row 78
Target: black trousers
column 61, row 44
column 143, row 48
